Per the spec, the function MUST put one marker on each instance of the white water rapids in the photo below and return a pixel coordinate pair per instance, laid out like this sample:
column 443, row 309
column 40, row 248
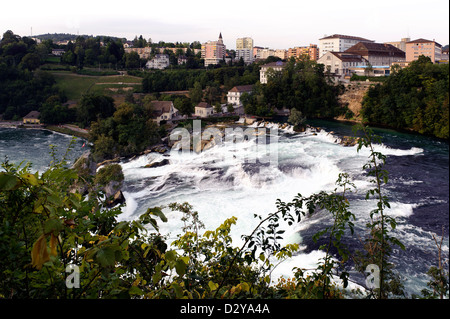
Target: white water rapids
column 220, row 185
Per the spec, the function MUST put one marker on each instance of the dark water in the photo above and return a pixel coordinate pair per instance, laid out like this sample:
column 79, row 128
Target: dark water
column 421, row 181
column 33, row 145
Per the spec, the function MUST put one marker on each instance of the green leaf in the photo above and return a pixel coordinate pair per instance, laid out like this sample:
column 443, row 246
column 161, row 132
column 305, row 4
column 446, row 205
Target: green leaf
column 157, row 212
column 105, row 257
column 180, row 267
column 31, row 179
column 157, row 275
column 170, row 255
column 212, row 286
column 134, row 290
column 55, row 200
column 9, row 182
column 53, row 225
column 178, row 290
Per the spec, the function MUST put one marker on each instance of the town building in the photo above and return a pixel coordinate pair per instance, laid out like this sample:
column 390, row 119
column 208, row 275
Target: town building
column 372, row 71
column 234, row 95
column 213, row 51
column 400, row 44
column 419, row 47
column 58, row 52
column 256, row 51
column 144, row 53
column 340, row 63
column 281, row 53
column 338, row 43
column 244, row 50
column 263, row 54
column 203, row 109
column 163, row 111
column 182, row 59
column 160, row 62
column 444, row 55
column 265, row 69
column 244, row 43
column 128, row 44
column 32, row 118
column 246, row 55
column 312, row 51
column 377, row 54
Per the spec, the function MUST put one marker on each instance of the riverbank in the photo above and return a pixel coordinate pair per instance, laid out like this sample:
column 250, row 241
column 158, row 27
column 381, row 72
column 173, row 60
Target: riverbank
column 69, row 130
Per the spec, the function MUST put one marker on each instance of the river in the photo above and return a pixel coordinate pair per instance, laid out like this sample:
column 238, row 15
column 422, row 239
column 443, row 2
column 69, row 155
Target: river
column 226, row 181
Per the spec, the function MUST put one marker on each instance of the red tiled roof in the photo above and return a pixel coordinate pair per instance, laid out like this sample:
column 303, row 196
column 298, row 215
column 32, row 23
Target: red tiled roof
column 242, row 88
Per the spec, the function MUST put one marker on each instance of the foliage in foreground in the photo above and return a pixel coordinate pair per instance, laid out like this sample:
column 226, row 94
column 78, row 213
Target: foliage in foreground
column 48, row 230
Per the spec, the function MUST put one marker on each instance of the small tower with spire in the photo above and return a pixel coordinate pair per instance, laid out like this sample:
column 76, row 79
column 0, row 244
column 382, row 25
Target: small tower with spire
column 220, row 39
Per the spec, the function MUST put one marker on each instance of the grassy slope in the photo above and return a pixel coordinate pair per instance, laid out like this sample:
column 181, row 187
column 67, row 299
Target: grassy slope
column 75, row 85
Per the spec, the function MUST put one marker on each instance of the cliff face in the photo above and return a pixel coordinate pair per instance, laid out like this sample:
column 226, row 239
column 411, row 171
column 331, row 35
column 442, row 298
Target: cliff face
column 353, row 96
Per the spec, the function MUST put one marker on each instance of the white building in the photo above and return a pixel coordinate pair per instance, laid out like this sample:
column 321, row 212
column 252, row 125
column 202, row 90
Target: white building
column 163, row 111
column 234, row 95
column 203, row 109
column 338, row 43
column 160, row 62
column 265, row 53
column 340, row 63
column 275, row 66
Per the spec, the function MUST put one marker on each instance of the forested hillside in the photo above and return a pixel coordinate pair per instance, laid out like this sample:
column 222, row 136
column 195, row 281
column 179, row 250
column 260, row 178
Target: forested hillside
column 413, row 98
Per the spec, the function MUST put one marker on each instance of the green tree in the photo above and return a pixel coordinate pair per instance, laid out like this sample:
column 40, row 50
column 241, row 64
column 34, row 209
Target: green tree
column 93, row 106
column 196, row 93
column 132, row 60
column 296, row 118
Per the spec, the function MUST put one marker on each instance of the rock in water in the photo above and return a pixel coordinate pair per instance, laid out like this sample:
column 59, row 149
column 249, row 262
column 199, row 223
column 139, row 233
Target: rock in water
column 158, row 164
column 116, row 200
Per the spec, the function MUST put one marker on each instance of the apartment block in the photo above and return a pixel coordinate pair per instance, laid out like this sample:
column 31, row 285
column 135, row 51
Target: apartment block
column 213, row 51
column 312, row 51
column 244, row 43
column 245, row 54
column 338, row 43
column 419, row 47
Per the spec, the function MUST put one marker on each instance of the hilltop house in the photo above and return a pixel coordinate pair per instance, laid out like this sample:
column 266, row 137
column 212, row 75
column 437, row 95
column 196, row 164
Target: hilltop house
column 163, row 111
column 203, row 109
column 32, row 118
column 234, row 95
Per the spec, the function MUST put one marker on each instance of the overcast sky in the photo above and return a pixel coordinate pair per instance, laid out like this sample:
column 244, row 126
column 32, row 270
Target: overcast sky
column 278, row 25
